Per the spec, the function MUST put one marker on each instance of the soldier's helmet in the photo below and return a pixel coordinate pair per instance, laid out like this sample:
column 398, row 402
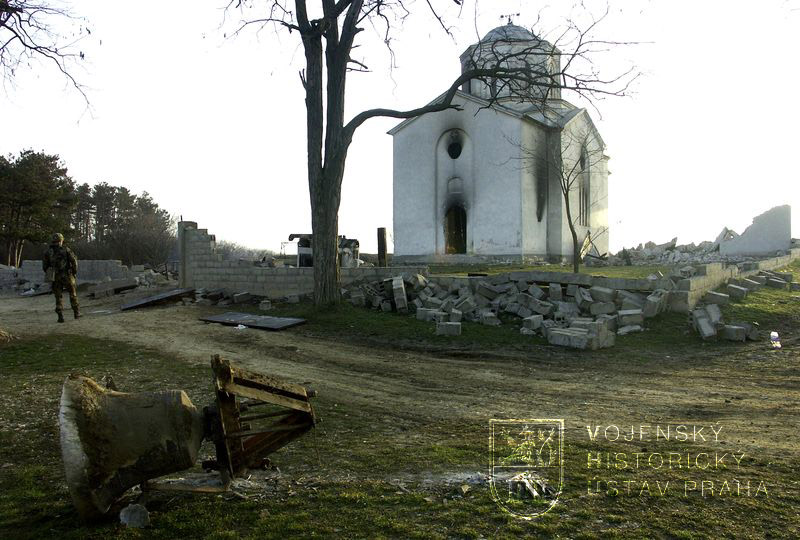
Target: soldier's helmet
column 57, row 238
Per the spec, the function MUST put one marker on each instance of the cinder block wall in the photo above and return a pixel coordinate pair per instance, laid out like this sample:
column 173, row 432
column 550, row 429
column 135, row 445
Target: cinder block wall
column 202, row 267
column 88, row 270
column 712, row 275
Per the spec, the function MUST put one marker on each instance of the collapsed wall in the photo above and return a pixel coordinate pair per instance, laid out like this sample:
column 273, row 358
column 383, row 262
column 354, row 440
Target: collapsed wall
column 202, row 267
column 770, row 232
column 88, row 270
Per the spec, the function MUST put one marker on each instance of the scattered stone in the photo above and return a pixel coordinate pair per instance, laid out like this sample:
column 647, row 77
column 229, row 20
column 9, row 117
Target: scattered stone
column 736, row 292
column 712, row 297
column 602, row 294
column 629, row 317
column 734, row 333
column 489, row 319
column 534, row 322
column 265, row 305
column 629, row 329
column 448, row 328
column 242, row 297
column 688, row 271
column 135, row 516
column 555, row 293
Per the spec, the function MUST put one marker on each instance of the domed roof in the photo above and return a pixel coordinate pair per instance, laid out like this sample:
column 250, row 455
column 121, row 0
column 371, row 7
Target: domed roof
column 509, row 32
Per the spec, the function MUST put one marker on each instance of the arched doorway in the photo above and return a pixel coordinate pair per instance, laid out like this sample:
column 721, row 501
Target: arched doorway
column 455, row 230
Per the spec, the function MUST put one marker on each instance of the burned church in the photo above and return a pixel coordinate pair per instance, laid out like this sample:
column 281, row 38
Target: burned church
column 484, row 183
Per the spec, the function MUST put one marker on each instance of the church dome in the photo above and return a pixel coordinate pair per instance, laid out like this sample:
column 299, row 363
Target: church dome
column 508, row 32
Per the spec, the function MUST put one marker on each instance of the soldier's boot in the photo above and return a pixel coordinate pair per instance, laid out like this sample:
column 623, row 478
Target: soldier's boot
column 60, row 317
column 76, row 312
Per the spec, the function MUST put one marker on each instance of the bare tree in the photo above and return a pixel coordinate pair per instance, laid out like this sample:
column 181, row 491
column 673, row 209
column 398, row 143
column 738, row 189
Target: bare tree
column 328, row 31
column 29, row 31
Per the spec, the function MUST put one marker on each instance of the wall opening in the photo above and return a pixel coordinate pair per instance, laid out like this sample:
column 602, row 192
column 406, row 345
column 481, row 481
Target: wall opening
column 454, row 146
column 455, row 230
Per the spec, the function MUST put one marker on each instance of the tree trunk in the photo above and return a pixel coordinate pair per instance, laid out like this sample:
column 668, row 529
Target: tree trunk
column 18, row 252
column 573, row 232
column 325, row 225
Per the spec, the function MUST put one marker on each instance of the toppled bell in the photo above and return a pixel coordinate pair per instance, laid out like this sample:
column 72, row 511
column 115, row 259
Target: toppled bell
column 112, row 441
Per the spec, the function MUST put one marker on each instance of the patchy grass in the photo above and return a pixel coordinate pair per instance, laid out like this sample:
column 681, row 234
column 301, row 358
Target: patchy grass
column 382, row 470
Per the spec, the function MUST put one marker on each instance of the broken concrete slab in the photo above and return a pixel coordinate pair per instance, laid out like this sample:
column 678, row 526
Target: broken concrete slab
column 576, row 338
column 115, row 286
column 702, row 324
column 158, row 298
column 770, row 232
column 448, row 328
column 261, row 322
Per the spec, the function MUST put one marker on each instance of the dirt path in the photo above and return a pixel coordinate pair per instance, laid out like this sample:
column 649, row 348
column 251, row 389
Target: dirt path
column 746, row 392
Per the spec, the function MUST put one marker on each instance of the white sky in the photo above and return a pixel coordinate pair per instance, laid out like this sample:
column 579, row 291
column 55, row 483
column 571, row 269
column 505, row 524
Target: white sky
column 214, row 128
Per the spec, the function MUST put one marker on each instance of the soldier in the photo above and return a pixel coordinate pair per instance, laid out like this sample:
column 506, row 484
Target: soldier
column 64, row 266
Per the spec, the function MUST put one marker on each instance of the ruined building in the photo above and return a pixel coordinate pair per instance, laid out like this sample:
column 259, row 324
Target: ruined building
column 483, row 183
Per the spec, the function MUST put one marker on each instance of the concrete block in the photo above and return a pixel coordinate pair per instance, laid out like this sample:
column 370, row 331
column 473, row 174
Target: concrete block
column 784, row 276
column 736, row 292
column 749, row 284
column 448, row 305
column 777, row 283
column 602, row 308
column 714, row 314
column 761, row 280
column 734, row 333
column 524, row 299
column 417, row 303
column 629, row 317
column 512, row 308
column 487, row 290
column 752, row 330
column 466, row 305
column 425, row 314
column 448, row 328
column 432, row 303
column 629, row 329
column 534, row 322
column 572, row 289
column 455, row 315
column 702, row 324
column 654, row 304
column 583, row 299
column 527, row 331
column 555, row 293
column 712, row 297
column 440, row 316
column 242, row 298
column 547, row 325
column 386, row 306
column 399, row 294
column 265, row 305
column 794, row 286
column 632, row 299
column 541, row 307
column 524, row 312
column 610, row 321
column 489, row 319
column 576, row 338
column 601, row 294
column 536, row 292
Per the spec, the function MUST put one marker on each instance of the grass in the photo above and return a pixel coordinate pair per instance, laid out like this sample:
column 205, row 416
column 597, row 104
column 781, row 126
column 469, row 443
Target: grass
column 359, row 476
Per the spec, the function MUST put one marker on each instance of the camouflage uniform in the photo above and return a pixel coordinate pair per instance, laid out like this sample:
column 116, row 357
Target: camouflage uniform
column 64, row 264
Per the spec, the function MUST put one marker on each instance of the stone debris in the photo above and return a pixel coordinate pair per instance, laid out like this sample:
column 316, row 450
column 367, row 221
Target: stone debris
column 265, row 305
column 577, row 311
column 448, row 328
column 135, row 516
column 242, row 298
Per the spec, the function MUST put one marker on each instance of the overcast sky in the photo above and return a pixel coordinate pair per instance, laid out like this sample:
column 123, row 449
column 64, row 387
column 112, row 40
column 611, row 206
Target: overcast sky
column 213, row 127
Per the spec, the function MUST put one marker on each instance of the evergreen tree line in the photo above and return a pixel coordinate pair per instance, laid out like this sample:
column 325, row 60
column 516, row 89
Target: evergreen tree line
column 39, row 198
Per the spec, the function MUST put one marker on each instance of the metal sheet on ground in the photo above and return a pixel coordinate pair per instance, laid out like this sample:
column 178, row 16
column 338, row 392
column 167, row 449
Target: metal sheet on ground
column 151, row 300
column 262, row 322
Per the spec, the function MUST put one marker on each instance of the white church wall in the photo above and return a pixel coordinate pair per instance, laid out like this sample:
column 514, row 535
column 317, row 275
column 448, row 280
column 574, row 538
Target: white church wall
column 534, row 151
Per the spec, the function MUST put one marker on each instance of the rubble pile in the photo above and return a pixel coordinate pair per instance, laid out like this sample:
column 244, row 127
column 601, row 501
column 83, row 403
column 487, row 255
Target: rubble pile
column 670, row 253
column 571, row 316
column 707, row 319
column 10, row 281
